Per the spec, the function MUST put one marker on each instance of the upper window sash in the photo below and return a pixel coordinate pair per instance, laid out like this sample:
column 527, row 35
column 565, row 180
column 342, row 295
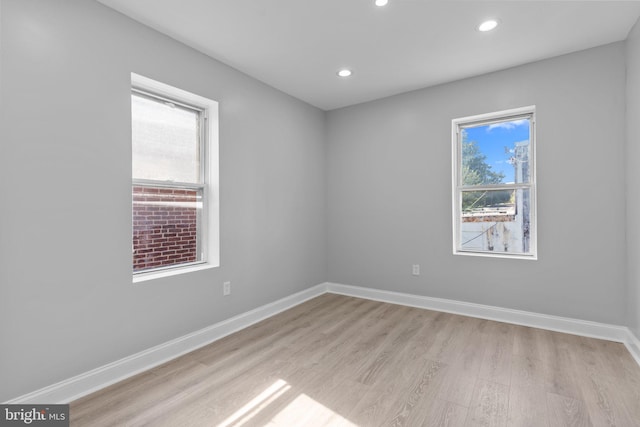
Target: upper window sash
column 501, row 119
column 461, row 127
column 156, row 97
column 200, row 136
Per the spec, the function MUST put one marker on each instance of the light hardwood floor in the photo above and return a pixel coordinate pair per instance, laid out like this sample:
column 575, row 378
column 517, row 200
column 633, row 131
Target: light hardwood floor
column 342, row 361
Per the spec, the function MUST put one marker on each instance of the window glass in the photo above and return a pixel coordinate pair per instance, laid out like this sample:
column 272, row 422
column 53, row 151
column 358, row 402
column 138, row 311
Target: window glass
column 496, row 221
column 166, row 226
column 165, row 139
column 496, row 153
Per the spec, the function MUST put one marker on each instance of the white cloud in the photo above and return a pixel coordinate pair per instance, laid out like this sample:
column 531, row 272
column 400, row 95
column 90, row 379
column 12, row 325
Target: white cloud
column 508, row 125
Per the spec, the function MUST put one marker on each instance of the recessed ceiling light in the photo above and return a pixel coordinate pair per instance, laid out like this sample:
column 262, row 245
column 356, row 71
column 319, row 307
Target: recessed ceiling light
column 345, row 72
column 488, row 25
column 381, row 2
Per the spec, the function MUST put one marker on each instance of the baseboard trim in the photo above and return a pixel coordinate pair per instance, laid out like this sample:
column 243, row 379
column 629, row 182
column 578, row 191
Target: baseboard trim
column 81, row 385
column 633, row 345
column 76, row 387
column 584, row 328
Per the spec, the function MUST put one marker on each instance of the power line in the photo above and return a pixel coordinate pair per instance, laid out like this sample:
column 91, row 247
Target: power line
column 485, row 231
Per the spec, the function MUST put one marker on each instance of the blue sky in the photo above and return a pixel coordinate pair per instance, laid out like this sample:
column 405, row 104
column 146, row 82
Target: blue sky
column 492, row 140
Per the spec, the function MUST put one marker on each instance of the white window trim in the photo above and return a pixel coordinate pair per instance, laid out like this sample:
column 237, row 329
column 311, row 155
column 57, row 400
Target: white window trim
column 210, row 237
column 173, row 271
column 456, row 125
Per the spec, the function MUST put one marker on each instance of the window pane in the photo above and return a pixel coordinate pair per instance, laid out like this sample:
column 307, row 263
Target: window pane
column 496, row 221
column 165, row 139
column 496, row 153
column 166, row 225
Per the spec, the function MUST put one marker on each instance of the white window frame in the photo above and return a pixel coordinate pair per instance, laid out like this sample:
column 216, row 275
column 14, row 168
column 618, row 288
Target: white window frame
column 457, row 125
column 208, row 243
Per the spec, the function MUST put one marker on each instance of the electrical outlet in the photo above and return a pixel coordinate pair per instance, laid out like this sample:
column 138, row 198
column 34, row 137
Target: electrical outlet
column 226, row 288
column 415, row 269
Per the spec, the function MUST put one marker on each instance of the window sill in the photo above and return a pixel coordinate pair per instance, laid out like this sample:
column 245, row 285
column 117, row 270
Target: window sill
column 143, row 277
column 530, row 257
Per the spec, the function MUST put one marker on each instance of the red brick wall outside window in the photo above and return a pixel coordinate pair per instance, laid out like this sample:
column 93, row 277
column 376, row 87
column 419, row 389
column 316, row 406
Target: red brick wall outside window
column 165, row 227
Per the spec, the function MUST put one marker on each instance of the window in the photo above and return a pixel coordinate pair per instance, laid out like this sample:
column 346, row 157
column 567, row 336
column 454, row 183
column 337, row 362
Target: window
column 494, row 191
column 174, row 197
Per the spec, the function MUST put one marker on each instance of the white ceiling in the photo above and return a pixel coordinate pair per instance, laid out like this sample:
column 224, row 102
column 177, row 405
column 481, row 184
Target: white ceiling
column 298, row 45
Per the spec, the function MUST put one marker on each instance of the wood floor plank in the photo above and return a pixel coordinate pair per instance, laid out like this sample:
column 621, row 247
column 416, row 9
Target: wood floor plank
column 343, row 362
column 317, row 345
column 629, row 390
column 417, row 396
column 192, row 415
column 605, row 402
column 397, row 338
column 559, row 368
column 285, row 329
column 595, row 357
column 394, row 399
column 489, row 405
column 115, row 400
column 346, row 350
column 409, row 381
column 497, row 358
column 339, row 354
column 462, row 371
column 567, row 412
column 449, row 338
column 445, row 414
column 527, row 371
column 527, row 342
column 256, row 361
column 527, row 406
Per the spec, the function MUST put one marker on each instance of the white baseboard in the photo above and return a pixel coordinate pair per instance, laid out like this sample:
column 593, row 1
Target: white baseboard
column 584, row 328
column 96, row 379
column 633, row 345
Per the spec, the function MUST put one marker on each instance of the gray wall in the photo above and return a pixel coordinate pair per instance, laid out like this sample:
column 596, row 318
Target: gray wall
column 67, row 301
column 389, row 190
column 633, row 177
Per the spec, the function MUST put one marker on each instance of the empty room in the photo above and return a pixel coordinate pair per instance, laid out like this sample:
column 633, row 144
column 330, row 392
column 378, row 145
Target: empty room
column 331, row 213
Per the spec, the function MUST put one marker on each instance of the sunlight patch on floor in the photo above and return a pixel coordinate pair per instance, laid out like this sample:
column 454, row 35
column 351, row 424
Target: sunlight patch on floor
column 308, row 412
column 244, row 414
column 302, row 410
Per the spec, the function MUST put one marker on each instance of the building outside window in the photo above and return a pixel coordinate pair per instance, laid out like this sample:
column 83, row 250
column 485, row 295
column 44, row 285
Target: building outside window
column 171, row 185
column 494, row 184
